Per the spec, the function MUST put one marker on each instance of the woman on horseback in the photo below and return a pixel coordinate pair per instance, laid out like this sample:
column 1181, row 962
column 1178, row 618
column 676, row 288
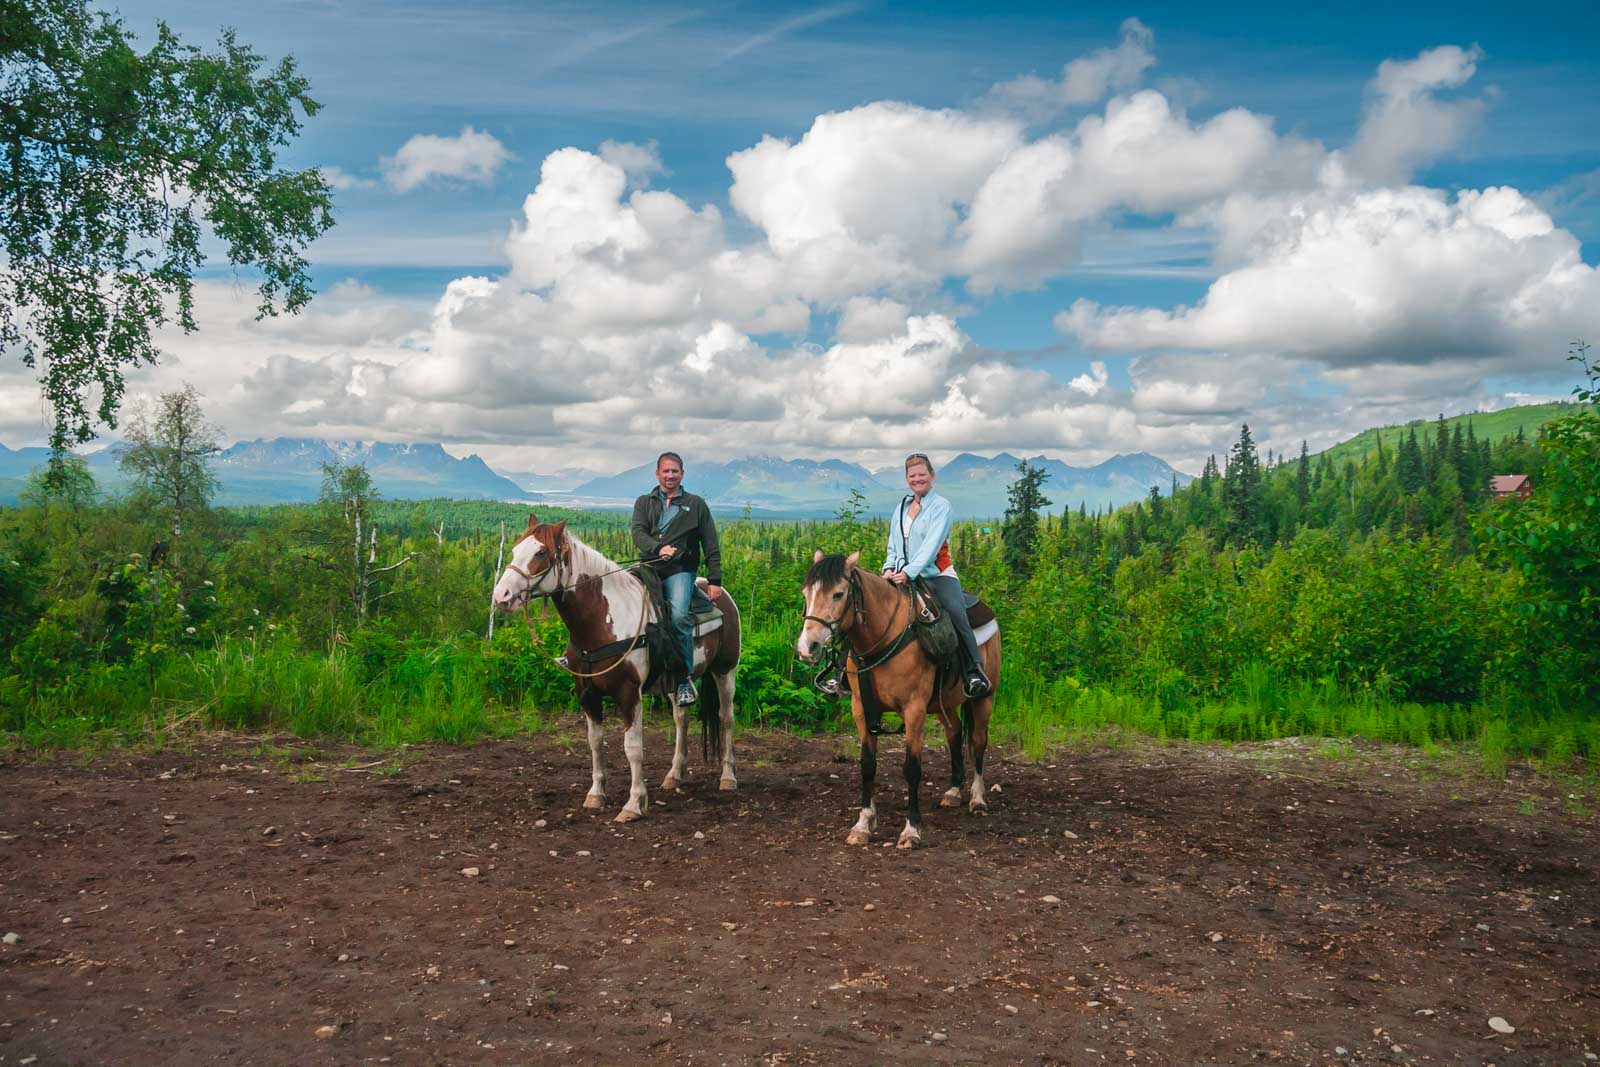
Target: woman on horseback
column 919, row 547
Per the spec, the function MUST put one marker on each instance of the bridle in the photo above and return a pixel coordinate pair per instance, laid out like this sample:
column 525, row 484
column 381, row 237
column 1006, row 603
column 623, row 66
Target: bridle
column 839, row 650
column 853, row 602
column 533, row 580
column 556, row 594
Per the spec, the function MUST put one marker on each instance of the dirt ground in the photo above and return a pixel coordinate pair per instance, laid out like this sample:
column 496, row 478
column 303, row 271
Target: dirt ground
column 243, row 902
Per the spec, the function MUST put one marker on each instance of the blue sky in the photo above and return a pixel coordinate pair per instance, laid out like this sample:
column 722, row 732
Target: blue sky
column 1118, row 296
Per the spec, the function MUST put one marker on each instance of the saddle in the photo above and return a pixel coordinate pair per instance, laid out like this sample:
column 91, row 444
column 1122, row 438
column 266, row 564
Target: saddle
column 936, row 632
column 666, row 658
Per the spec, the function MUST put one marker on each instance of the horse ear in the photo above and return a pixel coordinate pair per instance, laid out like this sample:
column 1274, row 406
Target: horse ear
column 850, row 561
column 533, row 520
column 816, row 557
column 560, row 531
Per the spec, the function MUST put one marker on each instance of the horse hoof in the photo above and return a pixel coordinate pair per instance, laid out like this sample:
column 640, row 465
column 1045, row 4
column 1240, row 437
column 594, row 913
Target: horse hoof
column 951, row 799
column 594, row 801
column 858, row 837
column 669, row 784
column 728, row 785
column 908, row 840
column 626, row 815
column 979, row 807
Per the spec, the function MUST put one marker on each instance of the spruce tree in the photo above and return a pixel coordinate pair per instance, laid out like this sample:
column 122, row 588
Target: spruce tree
column 1474, row 475
column 1020, row 530
column 1302, row 476
column 1133, row 530
column 1242, row 492
column 1441, row 447
column 1409, row 468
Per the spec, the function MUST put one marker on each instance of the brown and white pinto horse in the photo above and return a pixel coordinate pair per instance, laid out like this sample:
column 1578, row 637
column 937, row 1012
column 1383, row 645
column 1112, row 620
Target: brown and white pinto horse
column 604, row 605
column 873, row 615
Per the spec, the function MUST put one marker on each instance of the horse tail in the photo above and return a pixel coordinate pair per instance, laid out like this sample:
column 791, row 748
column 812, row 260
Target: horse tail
column 710, row 717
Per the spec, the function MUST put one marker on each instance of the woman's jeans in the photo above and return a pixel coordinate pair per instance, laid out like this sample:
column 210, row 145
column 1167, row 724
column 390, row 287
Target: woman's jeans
column 954, row 604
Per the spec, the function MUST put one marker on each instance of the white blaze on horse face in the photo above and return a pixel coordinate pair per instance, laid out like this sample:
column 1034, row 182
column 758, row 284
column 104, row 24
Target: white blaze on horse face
column 814, row 636
column 512, row 588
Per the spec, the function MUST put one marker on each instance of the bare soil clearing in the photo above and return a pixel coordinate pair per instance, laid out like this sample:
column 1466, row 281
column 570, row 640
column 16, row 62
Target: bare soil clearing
column 234, row 904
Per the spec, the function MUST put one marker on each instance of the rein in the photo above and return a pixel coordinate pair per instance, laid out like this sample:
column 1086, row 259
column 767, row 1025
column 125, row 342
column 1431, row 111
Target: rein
column 841, row 649
column 527, row 608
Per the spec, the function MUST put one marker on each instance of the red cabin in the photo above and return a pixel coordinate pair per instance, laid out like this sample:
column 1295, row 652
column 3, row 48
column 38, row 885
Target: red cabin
column 1505, row 486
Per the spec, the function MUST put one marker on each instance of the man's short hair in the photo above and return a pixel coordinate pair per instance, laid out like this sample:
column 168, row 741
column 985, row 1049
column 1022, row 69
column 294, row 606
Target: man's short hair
column 671, row 456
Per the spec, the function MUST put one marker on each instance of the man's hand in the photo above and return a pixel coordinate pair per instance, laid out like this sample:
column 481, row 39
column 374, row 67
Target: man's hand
column 898, row 578
column 667, row 551
column 713, row 591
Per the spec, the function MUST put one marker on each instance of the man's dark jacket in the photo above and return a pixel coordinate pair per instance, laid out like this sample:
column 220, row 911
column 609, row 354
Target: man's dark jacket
column 690, row 529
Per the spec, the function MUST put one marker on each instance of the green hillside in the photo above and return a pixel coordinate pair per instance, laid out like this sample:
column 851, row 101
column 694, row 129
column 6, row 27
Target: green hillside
column 1486, row 425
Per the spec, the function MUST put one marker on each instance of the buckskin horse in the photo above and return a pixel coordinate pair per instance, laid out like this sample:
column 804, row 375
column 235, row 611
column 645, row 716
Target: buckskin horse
column 606, row 610
column 875, row 617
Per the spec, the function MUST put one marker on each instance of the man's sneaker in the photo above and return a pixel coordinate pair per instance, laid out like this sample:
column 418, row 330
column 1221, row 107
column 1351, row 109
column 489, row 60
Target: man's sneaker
column 686, row 694
column 977, row 685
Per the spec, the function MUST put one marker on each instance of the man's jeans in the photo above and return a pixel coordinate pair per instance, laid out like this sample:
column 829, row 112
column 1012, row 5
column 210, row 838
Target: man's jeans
column 679, row 589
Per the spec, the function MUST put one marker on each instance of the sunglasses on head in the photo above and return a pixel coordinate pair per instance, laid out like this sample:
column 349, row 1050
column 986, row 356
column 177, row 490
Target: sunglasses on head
column 919, row 456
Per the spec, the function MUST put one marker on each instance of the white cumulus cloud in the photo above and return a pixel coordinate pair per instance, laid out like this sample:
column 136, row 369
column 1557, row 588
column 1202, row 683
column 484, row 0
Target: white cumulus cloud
column 631, row 316
column 470, row 156
column 639, row 162
column 1086, row 80
column 1405, row 275
column 1406, row 123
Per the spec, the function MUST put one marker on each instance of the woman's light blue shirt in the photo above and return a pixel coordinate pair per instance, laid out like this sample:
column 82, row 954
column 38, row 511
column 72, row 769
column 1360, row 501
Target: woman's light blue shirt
column 928, row 531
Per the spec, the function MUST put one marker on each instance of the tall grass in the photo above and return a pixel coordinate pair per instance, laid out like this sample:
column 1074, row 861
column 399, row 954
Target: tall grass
column 1039, row 715
column 440, row 695
column 386, row 691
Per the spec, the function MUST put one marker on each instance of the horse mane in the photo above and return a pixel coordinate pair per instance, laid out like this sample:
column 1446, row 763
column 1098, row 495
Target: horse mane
column 588, row 553
column 828, row 569
column 585, row 559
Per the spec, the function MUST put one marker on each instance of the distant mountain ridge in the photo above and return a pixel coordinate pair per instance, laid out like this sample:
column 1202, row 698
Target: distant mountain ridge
column 285, row 470
column 561, row 481
column 975, row 485
column 765, row 482
column 289, row 470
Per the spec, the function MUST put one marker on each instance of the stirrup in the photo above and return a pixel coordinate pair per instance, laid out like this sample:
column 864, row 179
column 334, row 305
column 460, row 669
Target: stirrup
column 830, row 685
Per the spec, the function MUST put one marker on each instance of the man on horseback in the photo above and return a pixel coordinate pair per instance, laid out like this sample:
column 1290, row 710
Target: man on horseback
column 672, row 527
column 919, row 536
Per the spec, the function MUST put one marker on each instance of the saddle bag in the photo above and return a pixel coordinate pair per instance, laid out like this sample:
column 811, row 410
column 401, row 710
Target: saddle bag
column 938, row 638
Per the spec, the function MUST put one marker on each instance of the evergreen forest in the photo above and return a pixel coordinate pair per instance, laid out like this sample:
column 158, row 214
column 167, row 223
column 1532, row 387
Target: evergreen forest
column 1386, row 594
